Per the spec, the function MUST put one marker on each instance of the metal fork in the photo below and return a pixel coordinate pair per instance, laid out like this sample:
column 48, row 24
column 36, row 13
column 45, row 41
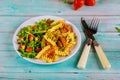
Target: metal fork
column 102, row 57
column 94, row 25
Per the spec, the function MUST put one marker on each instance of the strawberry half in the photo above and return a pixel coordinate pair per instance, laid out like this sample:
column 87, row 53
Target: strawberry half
column 30, row 37
column 29, row 49
column 78, row 4
column 90, row 2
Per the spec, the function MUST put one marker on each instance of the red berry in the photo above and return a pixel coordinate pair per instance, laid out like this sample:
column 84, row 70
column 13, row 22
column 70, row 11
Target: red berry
column 78, row 4
column 90, row 2
column 29, row 49
column 48, row 22
column 33, row 27
column 37, row 50
column 30, row 37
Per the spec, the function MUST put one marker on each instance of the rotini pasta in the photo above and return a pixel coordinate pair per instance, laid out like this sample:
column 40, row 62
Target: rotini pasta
column 50, row 40
column 61, row 53
column 52, row 37
column 71, row 38
column 47, row 59
column 60, row 42
column 56, row 27
column 57, row 22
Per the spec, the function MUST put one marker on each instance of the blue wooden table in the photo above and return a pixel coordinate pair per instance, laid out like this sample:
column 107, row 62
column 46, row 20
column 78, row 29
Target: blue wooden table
column 15, row 12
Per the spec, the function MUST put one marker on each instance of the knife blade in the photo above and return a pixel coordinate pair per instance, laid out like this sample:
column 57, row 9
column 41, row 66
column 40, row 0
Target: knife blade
column 86, row 29
column 102, row 57
column 84, row 56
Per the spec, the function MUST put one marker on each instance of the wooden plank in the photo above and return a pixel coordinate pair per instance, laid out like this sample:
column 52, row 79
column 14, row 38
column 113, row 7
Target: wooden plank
column 12, row 63
column 59, row 76
column 107, row 23
column 57, row 7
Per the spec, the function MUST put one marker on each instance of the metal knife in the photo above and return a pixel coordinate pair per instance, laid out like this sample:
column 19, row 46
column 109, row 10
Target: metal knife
column 84, row 56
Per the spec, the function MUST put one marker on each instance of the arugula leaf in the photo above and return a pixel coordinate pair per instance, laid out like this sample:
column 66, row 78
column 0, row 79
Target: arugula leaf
column 68, row 1
column 65, row 1
column 118, row 29
column 38, row 30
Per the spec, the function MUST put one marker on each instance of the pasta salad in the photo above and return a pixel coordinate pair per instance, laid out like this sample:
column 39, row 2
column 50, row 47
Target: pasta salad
column 46, row 40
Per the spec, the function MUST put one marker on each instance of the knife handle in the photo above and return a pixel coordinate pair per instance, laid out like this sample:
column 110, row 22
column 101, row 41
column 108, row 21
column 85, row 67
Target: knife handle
column 84, row 56
column 102, row 57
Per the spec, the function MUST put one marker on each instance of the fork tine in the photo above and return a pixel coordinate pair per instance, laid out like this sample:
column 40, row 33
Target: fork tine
column 97, row 23
column 94, row 24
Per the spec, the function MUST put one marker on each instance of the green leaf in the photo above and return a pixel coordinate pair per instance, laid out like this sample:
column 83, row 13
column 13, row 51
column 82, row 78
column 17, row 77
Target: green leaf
column 68, row 1
column 118, row 29
column 65, row 1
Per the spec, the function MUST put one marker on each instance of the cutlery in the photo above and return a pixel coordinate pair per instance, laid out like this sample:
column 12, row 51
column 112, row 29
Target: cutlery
column 102, row 57
column 84, row 56
column 90, row 31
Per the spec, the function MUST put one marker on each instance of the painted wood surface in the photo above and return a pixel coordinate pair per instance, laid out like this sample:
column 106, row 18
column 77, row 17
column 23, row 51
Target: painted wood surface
column 14, row 12
column 56, row 7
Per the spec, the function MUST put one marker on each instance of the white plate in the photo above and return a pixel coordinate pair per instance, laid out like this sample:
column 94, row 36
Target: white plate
column 31, row 22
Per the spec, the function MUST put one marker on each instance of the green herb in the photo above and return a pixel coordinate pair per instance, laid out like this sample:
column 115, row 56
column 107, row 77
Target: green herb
column 118, row 29
column 65, row 1
column 37, row 30
column 68, row 1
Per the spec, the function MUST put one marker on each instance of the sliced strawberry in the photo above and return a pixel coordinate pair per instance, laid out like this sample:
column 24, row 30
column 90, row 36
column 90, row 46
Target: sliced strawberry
column 37, row 50
column 78, row 4
column 34, row 27
column 30, row 37
column 48, row 22
column 90, row 2
column 29, row 49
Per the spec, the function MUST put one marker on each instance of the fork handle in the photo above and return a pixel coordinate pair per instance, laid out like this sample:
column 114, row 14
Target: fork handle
column 102, row 57
column 84, row 56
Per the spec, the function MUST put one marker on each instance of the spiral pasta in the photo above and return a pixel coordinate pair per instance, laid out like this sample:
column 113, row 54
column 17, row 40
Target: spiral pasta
column 61, row 39
column 61, row 53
